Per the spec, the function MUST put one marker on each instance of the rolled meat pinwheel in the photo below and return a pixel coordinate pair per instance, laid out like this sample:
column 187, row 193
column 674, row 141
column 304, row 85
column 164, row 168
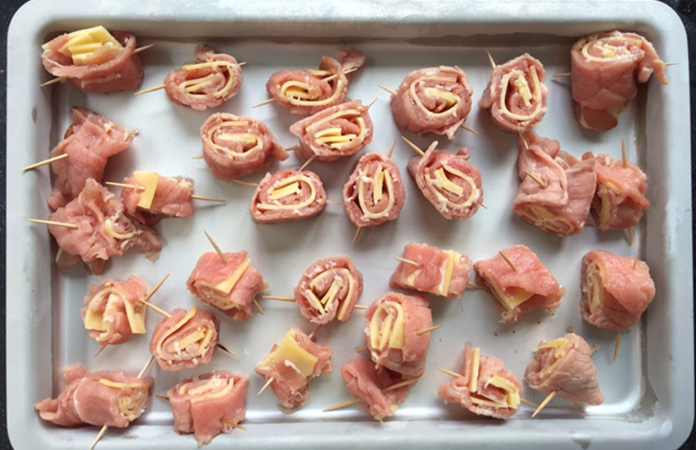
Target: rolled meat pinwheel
column 185, row 340
column 393, row 323
column 516, row 95
column 433, row 100
column 427, row 269
column 334, row 133
column 486, row 387
column 329, row 289
column 94, row 61
column 234, row 146
column 306, row 92
column 520, row 282
column 208, row 83
column 292, row 364
column 114, row 311
column 99, row 398
column 565, row 366
column 229, row 286
column 620, row 199
column 605, row 71
column 616, row 290
column 155, row 196
column 374, row 193
column 450, row 182
column 556, row 190
column 209, row 405
column 288, row 196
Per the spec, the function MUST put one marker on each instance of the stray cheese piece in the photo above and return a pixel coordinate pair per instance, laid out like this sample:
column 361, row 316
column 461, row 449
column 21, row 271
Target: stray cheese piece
column 595, row 279
column 149, row 181
column 513, row 394
column 118, row 385
column 512, row 297
column 447, row 96
column 475, row 366
column 522, row 87
column 289, row 350
column 387, row 326
column 109, row 230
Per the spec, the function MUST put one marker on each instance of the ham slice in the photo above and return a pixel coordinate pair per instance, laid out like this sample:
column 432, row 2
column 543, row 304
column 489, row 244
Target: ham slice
column 208, row 83
column 433, row 100
column 98, row 398
column 516, row 95
column 114, row 311
column 288, row 196
column 234, row 146
column 367, row 383
column 616, row 290
column 306, row 92
column 556, row 190
column 228, row 287
column 335, row 132
column 565, row 366
column 209, row 405
column 185, row 340
column 292, row 364
column 450, row 182
column 444, row 273
column 329, row 289
column 620, row 199
column 89, row 143
column 172, row 196
column 393, row 323
column 110, row 68
column 605, row 71
column 104, row 230
column 485, row 387
column 374, row 193
column 522, row 289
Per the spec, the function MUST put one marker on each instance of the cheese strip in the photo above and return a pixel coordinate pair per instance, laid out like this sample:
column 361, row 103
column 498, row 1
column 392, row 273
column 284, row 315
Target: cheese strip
column 537, row 95
column 149, row 181
column 387, row 327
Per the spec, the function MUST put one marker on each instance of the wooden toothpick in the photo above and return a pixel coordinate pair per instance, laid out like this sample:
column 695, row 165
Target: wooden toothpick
column 449, row 372
column 268, row 383
column 261, row 311
column 148, row 90
column 331, row 202
column 54, row 81
column 407, row 261
column 53, row 223
column 143, row 48
column 361, row 349
column 341, row 405
column 528, row 403
column 308, row 162
column 403, row 383
column 391, row 150
column 101, row 349
column 217, row 248
column 508, row 261
column 391, row 91
column 245, row 183
column 618, row 345
column 267, row 102
column 630, row 236
column 357, row 235
column 470, row 130
column 279, row 299
column 124, row 185
column 536, row 179
column 361, row 307
column 491, row 60
column 413, row 146
column 624, row 158
column 427, row 330
column 544, row 403
column 562, row 75
column 208, row 199
column 227, row 350
column 45, row 161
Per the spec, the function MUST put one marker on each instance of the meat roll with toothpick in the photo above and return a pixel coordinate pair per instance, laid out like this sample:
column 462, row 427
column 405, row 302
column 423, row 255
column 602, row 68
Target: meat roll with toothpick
column 329, row 289
column 95, row 60
column 444, row 273
column 209, row 405
column 374, row 193
column 565, row 366
column 89, row 143
column 103, row 231
column 229, row 287
column 616, row 290
column 556, row 189
column 393, row 323
column 367, row 383
column 114, row 312
column 98, row 398
column 288, row 196
column 605, row 71
column 334, row 133
column 306, row 92
column 433, row 100
column 486, row 387
column 234, row 146
column 185, row 340
column 520, row 282
column 292, row 364
column 516, row 94
column 208, row 83
column 620, row 199
column 449, row 181
column 162, row 196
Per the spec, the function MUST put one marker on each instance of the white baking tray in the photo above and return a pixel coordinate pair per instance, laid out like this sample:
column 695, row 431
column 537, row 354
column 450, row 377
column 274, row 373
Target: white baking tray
column 649, row 390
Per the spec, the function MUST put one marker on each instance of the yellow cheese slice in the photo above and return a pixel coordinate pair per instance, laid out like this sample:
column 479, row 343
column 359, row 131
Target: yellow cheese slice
column 475, row 366
column 387, row 326
column 219, row 394
column 513, row 395
column 447, row 96
column 190, row 339
column 483, row 402
column 248, row 138
column 117, row 385
column 285, row 191
column 447, row 184
column 84, row 48
column 229, row 284
column 149, row 181
column 94, row 320
column 290, row 350
column 510, row 298
column 378, row 184
column 449, row 270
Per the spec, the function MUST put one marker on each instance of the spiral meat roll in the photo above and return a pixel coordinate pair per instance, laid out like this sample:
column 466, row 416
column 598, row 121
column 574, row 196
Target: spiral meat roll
column 234, row 146
column 328, row 290
column 335, row 132
column 211, row 81
column 450, row 182
column 516, row 95
column 185, row 340
column 433, row 100
column 287, row 196
column 114, row 312
column 374, row 193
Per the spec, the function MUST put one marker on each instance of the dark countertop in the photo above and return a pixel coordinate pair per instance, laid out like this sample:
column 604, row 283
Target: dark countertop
column 685, row 8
